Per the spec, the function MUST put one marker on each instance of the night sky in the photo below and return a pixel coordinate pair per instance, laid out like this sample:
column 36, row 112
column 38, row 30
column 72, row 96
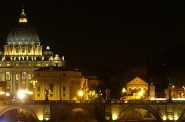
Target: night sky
column 100, row 33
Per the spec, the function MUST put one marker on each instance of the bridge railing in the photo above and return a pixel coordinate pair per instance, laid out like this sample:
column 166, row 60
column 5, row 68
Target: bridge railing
column 113, row 101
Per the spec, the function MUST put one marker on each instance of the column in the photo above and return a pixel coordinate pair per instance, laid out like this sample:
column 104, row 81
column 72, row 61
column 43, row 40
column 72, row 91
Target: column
column 20, row 79
column 11, row 82
column 14, row 82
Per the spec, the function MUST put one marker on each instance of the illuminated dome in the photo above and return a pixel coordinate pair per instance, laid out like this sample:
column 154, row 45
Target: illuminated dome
column 23, row 34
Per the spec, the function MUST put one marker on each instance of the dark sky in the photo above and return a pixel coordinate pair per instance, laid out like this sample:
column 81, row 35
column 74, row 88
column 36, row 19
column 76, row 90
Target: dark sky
column 100, row 33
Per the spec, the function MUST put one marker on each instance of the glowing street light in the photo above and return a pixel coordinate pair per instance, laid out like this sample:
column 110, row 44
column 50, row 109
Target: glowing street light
column 141, row 93
column 22, row 94
column 80, row 94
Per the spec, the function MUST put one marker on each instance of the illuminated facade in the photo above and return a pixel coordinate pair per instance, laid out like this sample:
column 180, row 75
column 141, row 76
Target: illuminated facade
column 61, row 83
column 137, row 89
column 22, row 55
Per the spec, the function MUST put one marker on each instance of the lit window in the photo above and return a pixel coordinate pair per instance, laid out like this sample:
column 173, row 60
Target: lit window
column 46, row 65
column 0, row 65
column 8, row 64
column 29, row 76
column 7, row 75
column 17, row 76
column 38, row 64
column 24, row 75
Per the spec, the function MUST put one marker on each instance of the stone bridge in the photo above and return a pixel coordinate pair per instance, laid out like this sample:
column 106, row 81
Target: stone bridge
column 56, row 111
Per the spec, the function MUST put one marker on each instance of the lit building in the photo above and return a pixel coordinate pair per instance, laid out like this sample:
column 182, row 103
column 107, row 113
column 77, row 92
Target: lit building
column 22, row 55
column 137, row 89
column 61, row 83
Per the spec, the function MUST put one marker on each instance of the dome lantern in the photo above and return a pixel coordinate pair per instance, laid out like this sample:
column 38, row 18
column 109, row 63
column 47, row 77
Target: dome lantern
column 22, row 18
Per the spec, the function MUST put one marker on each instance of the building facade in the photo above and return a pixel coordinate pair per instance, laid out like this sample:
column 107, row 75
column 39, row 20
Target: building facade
column 59, row 83
column 23, row 53
column 137, row 89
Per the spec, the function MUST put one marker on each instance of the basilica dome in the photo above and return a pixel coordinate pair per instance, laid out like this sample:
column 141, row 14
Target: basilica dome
column 23, row 34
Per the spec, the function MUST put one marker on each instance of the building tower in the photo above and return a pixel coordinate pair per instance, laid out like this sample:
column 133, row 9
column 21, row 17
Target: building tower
column 22, row 55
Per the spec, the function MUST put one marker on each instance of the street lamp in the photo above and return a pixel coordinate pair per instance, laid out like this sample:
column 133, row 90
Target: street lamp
column 141, row 94
column 80, row 94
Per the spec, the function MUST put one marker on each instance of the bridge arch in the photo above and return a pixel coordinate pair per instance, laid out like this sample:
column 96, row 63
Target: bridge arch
column 149, row 109
column 18, row 107
column 91, row 112
column 180, row 119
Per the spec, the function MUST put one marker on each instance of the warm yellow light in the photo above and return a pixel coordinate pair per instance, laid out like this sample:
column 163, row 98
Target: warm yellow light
column 7, row 94
column 164, row 117
column 124, row 90
column 22, row 94
column 176, row 117
column 40, row 117
column 1, row 92
column 80, row 93
column 140, row 93
column 114, row 116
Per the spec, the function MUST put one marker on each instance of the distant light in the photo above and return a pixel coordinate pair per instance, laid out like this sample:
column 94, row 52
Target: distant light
column 1, row 92
column 114, row 116
column 80, row 93
column 7, row 94
column 22, row 94
column 47, row 48
column 164, row 117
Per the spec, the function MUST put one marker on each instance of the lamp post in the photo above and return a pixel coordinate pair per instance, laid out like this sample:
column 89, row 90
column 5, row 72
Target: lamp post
column 80, row 94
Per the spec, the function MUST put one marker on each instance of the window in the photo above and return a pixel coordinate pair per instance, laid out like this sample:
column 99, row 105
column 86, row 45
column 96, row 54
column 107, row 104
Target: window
column 38, row 88
column 51, row 95
column 51, row 87
column 23, row 50
column 17, row 49
column 64, row 94
column 29, row 49
column 17, row 76
column 64, row 88
column 46, row 65
column 38, row 95
column 29, row 76
column 0, row 65
column 7, row 75
column 24, row 75
column 8, row 64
